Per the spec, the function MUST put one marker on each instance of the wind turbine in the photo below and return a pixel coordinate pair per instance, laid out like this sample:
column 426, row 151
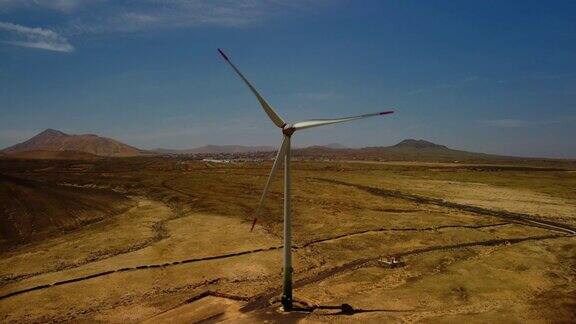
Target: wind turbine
column 284, row 152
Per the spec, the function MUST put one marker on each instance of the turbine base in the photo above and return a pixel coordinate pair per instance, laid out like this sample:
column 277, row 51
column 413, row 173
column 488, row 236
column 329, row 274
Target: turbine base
column 286, row 303
column 287, row 293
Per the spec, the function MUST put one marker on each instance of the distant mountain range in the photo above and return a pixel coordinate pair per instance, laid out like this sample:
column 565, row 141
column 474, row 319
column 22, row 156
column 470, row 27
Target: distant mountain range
column 331, row 146
column 217, row 149
column 54, row 144
column 230, row 149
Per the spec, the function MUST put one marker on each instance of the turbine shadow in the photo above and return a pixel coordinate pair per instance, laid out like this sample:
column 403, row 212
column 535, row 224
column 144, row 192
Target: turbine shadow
column 344, row 309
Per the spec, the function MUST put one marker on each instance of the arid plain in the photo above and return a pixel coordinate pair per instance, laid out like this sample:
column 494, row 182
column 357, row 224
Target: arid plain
column 168, row 239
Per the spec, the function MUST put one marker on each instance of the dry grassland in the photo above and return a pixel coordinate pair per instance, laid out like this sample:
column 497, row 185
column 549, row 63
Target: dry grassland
column 478, row 244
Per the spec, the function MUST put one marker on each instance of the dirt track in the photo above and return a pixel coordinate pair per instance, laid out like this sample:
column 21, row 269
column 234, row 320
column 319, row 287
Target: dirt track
column 161, row 233
column 322, row 275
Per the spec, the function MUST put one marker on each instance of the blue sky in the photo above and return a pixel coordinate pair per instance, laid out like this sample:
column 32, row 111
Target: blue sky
column 488, row 76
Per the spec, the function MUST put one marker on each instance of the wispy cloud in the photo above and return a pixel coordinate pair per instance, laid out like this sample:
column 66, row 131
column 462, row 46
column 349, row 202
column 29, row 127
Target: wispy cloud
column 82, row 17
column 519, row 123
column 450, row 85
column 65, row 6
column 34, row 37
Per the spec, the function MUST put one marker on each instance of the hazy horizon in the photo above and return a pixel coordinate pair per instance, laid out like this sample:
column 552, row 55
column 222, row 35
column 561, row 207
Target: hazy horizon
column 275, row 147
column 486, row 77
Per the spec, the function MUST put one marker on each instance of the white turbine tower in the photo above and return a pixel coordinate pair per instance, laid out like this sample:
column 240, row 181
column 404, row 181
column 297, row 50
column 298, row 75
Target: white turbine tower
column 285, row 152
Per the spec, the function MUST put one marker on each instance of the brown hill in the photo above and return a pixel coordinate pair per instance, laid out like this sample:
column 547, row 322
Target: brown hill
column 424, row 151
column 419, row 144
column 54, row 140
column 406, row 150
column 30, row 210
column 51, row 155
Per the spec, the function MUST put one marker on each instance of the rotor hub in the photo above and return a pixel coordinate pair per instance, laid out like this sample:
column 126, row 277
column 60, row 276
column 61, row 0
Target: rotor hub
column 288, row 129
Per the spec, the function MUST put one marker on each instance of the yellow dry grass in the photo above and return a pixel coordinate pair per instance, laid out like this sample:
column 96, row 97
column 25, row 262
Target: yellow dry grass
column 189, row 235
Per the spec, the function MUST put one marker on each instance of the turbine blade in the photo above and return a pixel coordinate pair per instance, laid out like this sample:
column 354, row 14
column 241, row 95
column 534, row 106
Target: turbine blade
column 277, row 162
column 321, row 122
column 267, row 108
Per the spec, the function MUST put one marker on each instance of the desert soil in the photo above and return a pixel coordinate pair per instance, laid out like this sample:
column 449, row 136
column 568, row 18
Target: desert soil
column 184, row 251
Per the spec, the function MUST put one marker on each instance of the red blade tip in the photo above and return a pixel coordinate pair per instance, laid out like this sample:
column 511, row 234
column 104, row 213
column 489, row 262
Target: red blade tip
column 223, row 55
column 387, row 112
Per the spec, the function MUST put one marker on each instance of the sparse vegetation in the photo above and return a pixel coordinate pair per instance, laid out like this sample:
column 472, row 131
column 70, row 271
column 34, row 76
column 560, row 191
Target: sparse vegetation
column 186, row 251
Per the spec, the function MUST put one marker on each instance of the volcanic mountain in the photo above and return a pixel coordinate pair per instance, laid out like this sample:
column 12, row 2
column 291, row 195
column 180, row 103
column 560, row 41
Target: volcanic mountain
column 406, row 150
column 54, row 140
column 419, row 144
